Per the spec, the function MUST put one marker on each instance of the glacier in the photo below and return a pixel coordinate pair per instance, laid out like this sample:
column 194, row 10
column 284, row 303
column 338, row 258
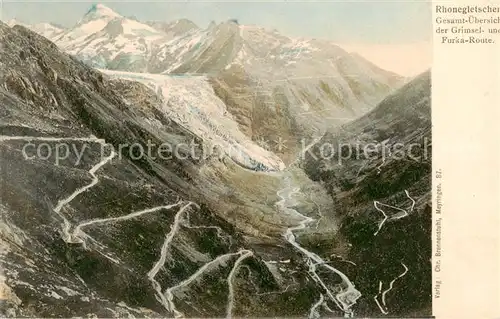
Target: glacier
column 191, row 102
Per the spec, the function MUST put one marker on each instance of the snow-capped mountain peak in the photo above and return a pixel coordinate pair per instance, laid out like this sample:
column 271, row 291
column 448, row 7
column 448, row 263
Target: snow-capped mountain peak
column 45, row 29
column 99, row 11
column 48, row 30
column 13, row 22
column 96, row 19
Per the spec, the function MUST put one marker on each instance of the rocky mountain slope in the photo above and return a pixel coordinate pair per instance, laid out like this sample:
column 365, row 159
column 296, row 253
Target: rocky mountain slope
column 103, row 231
column 378, row 171
column 103, row 38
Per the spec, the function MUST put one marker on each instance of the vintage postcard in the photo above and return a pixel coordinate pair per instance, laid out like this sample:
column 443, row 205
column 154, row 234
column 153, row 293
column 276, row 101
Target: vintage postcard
column 257, row 159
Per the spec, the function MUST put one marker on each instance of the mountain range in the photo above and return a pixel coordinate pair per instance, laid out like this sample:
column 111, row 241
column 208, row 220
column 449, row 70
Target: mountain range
column 272, row 85
column 261, row 225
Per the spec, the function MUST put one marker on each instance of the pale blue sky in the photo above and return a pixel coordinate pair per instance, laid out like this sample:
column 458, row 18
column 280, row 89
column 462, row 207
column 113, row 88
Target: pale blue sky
column 368, row 22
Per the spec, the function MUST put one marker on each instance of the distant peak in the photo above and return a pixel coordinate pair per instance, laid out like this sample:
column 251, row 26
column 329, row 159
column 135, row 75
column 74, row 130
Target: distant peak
column 13, row 22
column 100, row 11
